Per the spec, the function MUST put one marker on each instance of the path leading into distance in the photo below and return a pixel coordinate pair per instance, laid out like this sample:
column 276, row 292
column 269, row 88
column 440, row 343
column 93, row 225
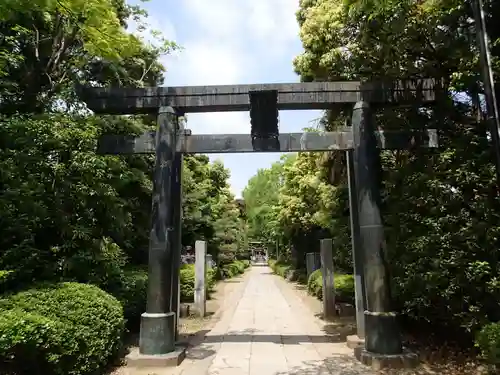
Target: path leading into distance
column 266, row 330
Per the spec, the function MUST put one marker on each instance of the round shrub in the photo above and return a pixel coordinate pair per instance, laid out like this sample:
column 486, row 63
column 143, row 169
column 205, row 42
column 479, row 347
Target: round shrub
column 240, row 265
column 313, row 281
column 246, row 263
column 344, row 286
column 68, row 328
column 488, row 342
column 230, row 270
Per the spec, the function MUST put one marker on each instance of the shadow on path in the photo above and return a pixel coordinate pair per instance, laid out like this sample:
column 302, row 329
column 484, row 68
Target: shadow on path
column 338, row 365
column 275, row 339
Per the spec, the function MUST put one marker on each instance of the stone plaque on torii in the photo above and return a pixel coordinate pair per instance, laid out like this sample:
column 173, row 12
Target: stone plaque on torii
column 361, row 141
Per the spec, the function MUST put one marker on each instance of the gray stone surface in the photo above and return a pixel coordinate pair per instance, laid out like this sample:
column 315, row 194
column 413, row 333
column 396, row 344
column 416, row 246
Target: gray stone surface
column 200, row 298
column 209, row 259
column 265, row 329
column 404, row 360
column 143, row 361
column 354, row 341
column 366, row 158
column 357, row 248
column 238, row 143
column 327, row 268
column 307, row 95
column 157, row 335
column 313, row 262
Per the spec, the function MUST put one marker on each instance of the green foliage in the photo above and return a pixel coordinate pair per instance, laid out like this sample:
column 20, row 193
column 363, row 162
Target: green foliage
column 293, row 204
column 315, row 284
column 69, row 214
column 488, row 342
column 187, row 280
column 67, row 328
column 280, row 268
column 210, row 211
column 234, row 268
column 67, row 211
column 48, row 46
column 344, row 286
column 442, row 254
column 132, row 294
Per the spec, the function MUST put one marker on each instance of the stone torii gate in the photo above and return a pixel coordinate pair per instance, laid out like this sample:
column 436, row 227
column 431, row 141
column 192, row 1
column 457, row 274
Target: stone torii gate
column 361, row 141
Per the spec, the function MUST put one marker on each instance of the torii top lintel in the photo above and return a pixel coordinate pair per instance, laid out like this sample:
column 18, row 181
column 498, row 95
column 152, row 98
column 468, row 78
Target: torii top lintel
column 227, row 98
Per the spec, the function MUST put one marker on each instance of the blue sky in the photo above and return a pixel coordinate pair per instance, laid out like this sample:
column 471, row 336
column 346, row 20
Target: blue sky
column 232, row 42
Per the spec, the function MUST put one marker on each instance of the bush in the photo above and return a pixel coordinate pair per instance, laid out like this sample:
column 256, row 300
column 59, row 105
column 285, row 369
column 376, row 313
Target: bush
column 280, row 268
column 488, row 342
column 68, row 328
column 240, row 265
column 315, row 284
column 344, row 286
column 187, row 279
column 235, row 268
column 133, row 295
column 272, row 263
column 232, row 269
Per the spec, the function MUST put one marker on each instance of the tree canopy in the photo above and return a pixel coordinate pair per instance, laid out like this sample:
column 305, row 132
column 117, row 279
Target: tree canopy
column 440, row 207
column 68, row 213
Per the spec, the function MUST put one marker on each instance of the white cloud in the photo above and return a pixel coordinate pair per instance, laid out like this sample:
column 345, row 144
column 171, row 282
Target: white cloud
column 219, row 123
column 273, row 21
column 226, row 42
column 204, row 64
column 166, row 28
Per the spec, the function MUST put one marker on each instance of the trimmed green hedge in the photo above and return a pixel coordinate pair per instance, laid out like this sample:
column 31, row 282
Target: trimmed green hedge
column 344, row 286
column 234, row 268
column 286, row 270
column 133, row 292
column 63, row 329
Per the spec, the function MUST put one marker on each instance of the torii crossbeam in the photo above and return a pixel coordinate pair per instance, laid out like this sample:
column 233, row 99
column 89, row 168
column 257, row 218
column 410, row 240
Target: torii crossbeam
column 361, row 141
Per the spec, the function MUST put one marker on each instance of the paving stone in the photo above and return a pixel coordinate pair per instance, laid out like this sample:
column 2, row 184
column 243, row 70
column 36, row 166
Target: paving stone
column 266, row 330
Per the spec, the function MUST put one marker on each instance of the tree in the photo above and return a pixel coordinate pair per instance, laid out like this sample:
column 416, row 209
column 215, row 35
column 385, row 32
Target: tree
column 69, row 213
column 210, row 212
column 46, row 47
column 439, row 260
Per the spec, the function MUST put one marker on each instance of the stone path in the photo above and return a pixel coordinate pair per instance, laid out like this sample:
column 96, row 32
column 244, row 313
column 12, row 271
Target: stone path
column 265, row 330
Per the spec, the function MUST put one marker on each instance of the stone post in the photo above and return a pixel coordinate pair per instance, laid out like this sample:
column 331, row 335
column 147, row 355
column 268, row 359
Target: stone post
column 313, row 262
column 382, row 335
column 200, row 276
column 326, row 250
column 157, row 334
column 209, row 260
column 357, row 250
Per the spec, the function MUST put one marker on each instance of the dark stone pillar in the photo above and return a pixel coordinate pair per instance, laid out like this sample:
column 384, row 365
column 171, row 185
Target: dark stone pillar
column 177, row 233
column 313, row 262
column 357, row 249
column 382, row 333
column 157, row 334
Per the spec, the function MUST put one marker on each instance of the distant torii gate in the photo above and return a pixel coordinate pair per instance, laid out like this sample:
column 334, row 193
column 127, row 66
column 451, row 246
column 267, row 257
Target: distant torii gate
column 171, row 141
